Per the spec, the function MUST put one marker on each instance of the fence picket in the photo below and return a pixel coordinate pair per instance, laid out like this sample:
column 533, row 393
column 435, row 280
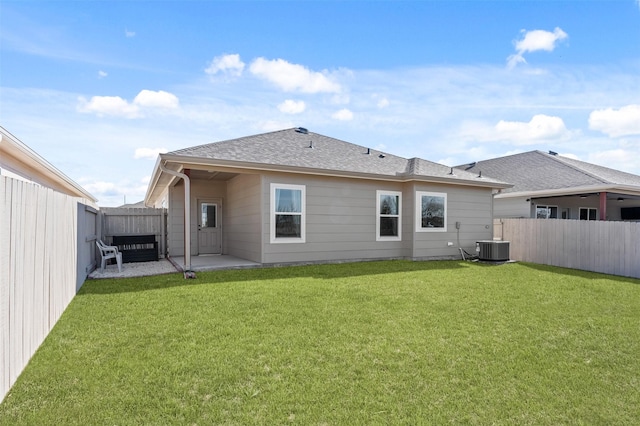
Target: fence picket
column 600, row 246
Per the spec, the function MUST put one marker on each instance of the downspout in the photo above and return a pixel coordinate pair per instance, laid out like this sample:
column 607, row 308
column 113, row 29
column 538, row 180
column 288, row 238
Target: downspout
column 187, row 215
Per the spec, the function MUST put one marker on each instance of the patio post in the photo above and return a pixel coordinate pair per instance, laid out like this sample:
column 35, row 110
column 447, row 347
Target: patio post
column 603, row 206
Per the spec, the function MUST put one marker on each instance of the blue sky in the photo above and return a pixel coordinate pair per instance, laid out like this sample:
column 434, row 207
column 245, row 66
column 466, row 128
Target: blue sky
column 99, row 88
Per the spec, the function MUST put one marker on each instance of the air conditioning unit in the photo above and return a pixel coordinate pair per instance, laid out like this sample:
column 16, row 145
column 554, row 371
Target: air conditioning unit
column 494, row 251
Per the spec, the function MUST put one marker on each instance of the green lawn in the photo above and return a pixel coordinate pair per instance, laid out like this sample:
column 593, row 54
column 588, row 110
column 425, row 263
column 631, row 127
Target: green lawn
column 394, row 342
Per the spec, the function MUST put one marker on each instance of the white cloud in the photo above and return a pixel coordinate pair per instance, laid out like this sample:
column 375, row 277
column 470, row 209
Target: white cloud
column 148, row 153
column 102, row 74
column 540, row 127
column 118, row 107
column 343, row 115
column 534, row 41
column 383, row 103
column 622, row 122
column 129, row 34
column 293, row 77
column 159, row 99
column 619, row 158
column 229, row 65
column 108, row 105
column 292, row 107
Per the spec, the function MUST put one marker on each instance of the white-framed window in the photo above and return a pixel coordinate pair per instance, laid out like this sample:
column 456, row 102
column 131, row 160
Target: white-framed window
column 588, row 213
column 431, row 211
column 388, row 216
column 546, row 212
column 288, row 222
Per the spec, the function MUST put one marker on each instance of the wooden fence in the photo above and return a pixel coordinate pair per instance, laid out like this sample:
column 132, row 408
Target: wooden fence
column 39, row 273
column 599, row 246
column 134, row 221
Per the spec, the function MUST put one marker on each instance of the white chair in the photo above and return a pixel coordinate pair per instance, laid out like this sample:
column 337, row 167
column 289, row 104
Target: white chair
column 109, row 252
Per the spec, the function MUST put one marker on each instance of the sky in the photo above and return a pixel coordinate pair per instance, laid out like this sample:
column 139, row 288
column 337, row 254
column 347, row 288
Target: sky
column 99, row 88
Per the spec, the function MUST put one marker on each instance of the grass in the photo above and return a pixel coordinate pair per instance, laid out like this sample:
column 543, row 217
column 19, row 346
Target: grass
column 394, row 342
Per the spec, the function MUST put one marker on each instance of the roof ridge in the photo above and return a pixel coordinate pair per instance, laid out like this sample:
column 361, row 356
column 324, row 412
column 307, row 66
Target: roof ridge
column 560, row 159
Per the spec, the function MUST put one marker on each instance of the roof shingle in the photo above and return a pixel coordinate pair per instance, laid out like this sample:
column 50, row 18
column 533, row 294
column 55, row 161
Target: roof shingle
column 309, row 150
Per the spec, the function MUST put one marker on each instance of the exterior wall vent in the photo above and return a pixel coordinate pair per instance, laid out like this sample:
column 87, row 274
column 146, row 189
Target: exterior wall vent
column 493, row 251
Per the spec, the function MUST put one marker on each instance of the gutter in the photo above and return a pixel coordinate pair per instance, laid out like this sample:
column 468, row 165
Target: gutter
column 187, row 216
column 194, row 163
column 628, row 189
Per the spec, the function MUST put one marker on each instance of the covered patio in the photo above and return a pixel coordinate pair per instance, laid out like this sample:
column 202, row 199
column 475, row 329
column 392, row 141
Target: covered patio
column 209, row 262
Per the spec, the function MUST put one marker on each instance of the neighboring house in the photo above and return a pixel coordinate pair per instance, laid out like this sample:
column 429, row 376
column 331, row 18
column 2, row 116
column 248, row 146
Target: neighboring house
column 18, row 161
column 297, row 196
column 547, row 185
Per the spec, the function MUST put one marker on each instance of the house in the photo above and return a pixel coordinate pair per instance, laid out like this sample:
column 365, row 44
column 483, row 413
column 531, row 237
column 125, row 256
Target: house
column 296, row 196
column 548, row 185
column 18, row 161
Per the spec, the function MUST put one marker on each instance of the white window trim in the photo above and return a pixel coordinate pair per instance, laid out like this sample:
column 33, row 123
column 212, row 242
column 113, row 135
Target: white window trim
column 383, row 237
column 548, row 207
column 272, row 214
column 587, row 209
column 419, row 195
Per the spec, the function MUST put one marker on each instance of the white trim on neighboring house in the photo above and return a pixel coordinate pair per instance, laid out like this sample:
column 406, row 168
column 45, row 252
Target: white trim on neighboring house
column 588, row 210
column 21, row 160
column 623, row 189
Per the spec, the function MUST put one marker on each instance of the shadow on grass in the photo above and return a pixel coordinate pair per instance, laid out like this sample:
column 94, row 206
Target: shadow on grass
column 580, row 273
column 319, row 271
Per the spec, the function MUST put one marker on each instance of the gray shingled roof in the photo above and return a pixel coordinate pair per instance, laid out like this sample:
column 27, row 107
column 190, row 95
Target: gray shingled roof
column 292, row 148
column 539, row 171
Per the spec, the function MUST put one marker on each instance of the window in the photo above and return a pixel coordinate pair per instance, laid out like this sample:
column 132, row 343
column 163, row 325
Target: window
column 388, row 218
column 287, row 213
column 431, row 212
column 588, row 213
column 546, row 212
column 208, row 215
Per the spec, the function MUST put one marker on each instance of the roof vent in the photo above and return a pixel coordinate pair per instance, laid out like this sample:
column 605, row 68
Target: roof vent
column 471, row 165
column 368, row 151
column 553, row 153
column 381, row 156
column 451, row 172
column 302, row 130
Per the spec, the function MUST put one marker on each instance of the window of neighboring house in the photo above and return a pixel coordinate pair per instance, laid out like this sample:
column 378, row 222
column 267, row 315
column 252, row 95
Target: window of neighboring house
column 389, row 215
column 287, row 213
column 588, row 213
column 431, row 211
column 546, row 212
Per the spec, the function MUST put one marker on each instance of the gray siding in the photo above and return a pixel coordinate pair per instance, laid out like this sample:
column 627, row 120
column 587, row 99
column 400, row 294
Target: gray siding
column 175, row 221
column 511, row 207
column 242, row 221
column 341, row 221
column 468, row 205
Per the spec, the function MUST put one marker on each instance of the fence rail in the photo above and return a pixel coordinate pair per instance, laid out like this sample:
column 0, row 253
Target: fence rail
column 598, row 246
